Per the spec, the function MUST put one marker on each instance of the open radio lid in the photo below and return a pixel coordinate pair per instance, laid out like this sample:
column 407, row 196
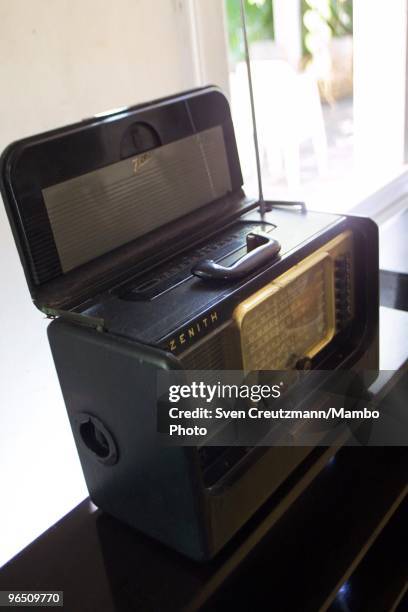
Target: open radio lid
column 93, row 201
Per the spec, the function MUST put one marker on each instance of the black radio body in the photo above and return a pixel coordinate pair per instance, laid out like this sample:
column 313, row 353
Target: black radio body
column 136, row 236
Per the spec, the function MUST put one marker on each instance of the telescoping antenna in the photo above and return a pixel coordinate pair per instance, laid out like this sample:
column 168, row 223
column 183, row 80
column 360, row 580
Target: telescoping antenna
column 262, row 204
column 251, row 96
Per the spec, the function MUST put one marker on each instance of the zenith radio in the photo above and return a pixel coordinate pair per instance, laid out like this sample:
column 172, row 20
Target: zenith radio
column 169, row 266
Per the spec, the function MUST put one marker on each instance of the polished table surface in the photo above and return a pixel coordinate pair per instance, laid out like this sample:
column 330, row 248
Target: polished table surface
column 333, row 535
column 295, row 554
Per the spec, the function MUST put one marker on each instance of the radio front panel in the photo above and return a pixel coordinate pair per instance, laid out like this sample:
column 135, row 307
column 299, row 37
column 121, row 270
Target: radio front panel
column 290, row 320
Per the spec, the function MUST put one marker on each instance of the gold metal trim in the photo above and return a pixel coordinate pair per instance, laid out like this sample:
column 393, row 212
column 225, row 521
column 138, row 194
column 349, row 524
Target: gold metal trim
column 324, row 257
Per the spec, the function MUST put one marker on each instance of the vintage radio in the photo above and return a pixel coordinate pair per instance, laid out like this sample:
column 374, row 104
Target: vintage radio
column 136, row 235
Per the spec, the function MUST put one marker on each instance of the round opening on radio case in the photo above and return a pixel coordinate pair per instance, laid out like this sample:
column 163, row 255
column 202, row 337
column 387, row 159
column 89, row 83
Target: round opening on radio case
column 97, row 439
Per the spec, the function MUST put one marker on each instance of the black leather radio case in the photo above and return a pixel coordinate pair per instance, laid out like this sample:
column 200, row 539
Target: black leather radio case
column 109, row 216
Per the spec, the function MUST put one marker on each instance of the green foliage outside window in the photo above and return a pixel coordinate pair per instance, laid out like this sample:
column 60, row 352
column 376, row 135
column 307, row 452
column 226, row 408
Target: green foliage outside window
column 334, row 15
column 259, row 22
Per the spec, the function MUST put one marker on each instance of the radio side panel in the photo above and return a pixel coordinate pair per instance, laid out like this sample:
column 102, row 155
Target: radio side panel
column 149, row 486
column 367, row 296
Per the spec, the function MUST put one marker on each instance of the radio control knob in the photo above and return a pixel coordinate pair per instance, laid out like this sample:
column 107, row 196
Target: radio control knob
column 304, row 363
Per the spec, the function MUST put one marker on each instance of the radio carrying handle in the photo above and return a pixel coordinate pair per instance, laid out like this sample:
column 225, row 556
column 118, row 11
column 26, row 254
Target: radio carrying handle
column 261, row 249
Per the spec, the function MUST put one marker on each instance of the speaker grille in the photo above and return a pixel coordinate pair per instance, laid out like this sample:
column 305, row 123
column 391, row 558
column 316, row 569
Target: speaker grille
column 217, row 351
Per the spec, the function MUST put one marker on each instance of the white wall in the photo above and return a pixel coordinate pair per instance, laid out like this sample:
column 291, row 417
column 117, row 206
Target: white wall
column 61, row 61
